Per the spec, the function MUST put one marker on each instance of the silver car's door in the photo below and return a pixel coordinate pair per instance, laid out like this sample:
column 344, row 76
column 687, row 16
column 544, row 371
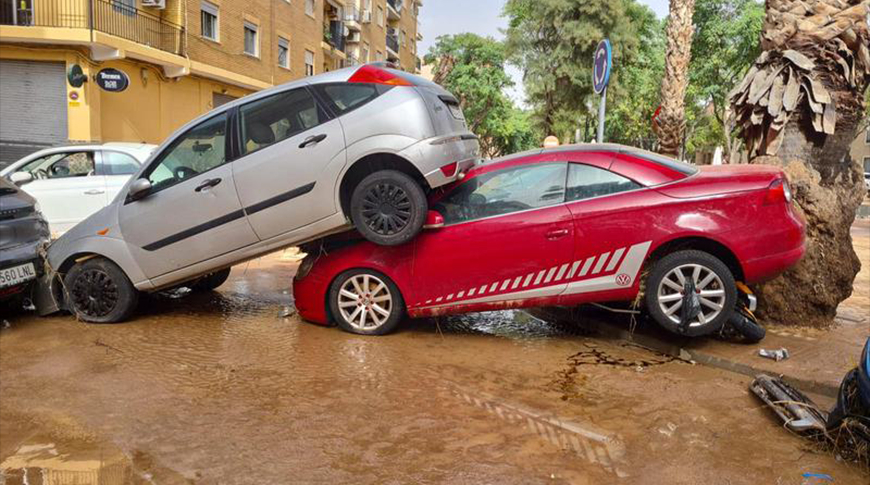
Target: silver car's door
column 291, row 153
column 193, row 212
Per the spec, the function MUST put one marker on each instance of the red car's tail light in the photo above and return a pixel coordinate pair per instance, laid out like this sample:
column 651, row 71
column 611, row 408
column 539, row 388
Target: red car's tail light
column 374, row 75
column 449, row 170
column 778, row 192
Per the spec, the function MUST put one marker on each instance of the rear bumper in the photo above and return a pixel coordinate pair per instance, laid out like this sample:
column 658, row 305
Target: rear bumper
column 766, row 268
column 432, row 154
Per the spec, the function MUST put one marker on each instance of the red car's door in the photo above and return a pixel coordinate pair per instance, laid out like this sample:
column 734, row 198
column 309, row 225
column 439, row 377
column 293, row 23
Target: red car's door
column 508, row 237
column 610, row 213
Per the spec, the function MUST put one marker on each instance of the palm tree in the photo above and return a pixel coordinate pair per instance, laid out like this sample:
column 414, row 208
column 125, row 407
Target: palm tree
column 800, row 105
column 671, row 123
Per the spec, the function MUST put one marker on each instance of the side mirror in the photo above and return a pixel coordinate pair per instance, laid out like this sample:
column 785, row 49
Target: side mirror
column 139, row 189
column 434, row 220
column 21, row 178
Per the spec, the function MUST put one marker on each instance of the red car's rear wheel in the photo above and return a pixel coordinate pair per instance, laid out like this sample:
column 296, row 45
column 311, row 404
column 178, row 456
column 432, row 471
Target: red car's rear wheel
column 365, row 302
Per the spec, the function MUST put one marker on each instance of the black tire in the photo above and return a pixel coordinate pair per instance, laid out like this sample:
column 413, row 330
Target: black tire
column 752, row 332
column 388, row 208
column 396, row 307
column 681, row 259
column 210, row 281
column 98, row 291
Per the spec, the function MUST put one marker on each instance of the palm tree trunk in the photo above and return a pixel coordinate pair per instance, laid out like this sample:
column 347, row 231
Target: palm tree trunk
column 800, row 106
column 671, row 122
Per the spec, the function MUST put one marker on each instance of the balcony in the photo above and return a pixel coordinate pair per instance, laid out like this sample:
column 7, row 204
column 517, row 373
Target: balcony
column 392, row 43
column 353, row 18
column 333, row 38
column 394, row 10
column 104, row 16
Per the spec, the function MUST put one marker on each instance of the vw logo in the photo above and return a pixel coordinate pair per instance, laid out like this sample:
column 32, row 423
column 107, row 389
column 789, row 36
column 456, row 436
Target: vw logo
column 623, row 279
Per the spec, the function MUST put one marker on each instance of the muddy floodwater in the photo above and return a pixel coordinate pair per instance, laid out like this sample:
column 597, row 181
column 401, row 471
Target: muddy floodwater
column 219, row 388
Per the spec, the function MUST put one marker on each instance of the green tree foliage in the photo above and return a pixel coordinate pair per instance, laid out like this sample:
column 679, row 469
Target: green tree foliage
column 725, row 44
column 553, row 42
column 473, row 69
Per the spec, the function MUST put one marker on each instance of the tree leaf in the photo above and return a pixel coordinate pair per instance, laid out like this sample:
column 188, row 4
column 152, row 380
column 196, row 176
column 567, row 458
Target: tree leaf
column 799, row 60
column 819, row 92
column 774, row 101
column 829, row 119
column 792, row 91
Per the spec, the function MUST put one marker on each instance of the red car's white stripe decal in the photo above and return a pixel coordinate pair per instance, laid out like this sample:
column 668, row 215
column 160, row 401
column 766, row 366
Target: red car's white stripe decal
column 622, row 277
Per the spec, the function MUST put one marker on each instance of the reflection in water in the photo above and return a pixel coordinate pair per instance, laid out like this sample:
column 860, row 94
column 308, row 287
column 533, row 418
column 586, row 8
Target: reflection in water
column 43, row 463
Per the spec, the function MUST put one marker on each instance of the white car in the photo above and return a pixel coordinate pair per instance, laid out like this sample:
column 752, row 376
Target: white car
column 72, row 182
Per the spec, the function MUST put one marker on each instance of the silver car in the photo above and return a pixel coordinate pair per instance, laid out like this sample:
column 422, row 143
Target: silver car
column 275, row 169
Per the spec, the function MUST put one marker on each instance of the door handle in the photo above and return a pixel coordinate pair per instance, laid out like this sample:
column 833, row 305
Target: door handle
column 94, row 192
column 207, row 184
column 312, row 140
column 557, row 234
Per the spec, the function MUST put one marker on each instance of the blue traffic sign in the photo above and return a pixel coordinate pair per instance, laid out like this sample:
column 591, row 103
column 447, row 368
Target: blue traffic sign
column 601, row 66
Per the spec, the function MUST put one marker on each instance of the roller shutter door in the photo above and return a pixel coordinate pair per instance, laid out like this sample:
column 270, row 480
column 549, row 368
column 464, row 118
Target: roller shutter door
column 33, row 109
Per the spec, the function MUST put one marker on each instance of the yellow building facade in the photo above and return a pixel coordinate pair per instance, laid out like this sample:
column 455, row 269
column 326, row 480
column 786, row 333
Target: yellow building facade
column 182, row 58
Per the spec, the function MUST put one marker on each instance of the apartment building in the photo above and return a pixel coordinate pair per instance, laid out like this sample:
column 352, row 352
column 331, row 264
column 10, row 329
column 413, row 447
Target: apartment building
column 180, row 59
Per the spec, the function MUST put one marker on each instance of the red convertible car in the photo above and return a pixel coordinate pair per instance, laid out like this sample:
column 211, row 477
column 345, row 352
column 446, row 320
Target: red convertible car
column 565, row 226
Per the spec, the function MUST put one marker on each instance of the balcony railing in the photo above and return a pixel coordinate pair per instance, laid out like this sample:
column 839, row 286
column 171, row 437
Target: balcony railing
column 396, row 5
column 393, row 43
column 352, row 14
column 333, row 34
column 108, row 16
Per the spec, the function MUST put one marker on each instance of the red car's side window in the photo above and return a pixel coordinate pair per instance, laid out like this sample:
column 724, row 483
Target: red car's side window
column 586, row 182
column 504, row 192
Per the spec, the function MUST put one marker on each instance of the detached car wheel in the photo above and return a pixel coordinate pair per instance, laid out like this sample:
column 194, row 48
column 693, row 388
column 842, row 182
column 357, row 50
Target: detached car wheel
column 711, row 292
column 98, row 291
column 365, row 302
column 211, row 281
column 388, row 208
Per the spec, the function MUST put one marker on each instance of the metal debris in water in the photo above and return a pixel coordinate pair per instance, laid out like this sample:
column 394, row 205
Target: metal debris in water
column 286, row 312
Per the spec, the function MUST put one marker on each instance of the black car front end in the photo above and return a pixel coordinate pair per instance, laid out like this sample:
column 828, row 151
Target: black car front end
column 23, row 236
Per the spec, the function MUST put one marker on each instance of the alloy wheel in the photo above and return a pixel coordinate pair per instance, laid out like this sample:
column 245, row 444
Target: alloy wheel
column 386, row 209
column 708, row 287
column 94, row 293
column 365, row 302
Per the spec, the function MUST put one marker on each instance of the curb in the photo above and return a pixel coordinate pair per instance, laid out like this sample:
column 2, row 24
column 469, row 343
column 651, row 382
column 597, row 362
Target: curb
column 668, row 344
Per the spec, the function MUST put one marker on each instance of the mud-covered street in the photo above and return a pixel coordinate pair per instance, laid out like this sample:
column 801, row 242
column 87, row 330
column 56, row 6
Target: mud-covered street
column 220, row 388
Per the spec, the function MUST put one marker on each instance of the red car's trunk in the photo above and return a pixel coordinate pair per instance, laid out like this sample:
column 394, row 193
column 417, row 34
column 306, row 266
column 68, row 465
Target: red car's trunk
column 723, row 179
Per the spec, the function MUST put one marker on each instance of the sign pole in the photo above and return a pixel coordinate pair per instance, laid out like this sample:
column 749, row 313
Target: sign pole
column 602, row 107
column 602, row 63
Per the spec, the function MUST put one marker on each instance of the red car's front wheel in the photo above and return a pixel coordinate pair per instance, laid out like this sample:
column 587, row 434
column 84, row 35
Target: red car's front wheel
column 365, row 302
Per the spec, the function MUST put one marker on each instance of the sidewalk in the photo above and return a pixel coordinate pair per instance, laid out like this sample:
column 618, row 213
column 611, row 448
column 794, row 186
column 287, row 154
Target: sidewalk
column 818, row 358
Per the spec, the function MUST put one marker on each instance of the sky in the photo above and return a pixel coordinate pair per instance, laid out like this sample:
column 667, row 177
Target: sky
column 483, row 17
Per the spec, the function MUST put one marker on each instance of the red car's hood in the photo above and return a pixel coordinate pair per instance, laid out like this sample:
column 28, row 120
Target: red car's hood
column 723, row 179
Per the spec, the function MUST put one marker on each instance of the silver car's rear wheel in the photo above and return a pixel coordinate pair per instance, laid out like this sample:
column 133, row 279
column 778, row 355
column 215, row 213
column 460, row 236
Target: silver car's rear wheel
column 365, row 302
column 388, row 208
column 713, row 285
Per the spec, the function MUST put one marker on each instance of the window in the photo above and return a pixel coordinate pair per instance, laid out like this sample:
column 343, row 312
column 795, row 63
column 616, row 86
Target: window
column 61, row 165
column 309, row 7
column 117, row 163
column 504, row 192
column 309, row 63
column 380, row 16
column 867, row 137
column 866, row 166
column 379, row 56
column 275, row 118
column 209, row 21
column 347, row 97
column 252, row 43
column 364, row 53
column 199, row 150
column 283, row 52
column 586, row 182
column 401, row 38
column 126, row 7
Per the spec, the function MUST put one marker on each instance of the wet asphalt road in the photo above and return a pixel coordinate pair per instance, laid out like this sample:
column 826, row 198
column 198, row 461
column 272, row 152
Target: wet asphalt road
column 217, row 388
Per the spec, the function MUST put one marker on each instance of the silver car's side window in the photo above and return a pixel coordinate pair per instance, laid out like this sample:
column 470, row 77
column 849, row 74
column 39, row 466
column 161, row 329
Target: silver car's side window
column 504, row 192
column 199, row 150
column 276, row 118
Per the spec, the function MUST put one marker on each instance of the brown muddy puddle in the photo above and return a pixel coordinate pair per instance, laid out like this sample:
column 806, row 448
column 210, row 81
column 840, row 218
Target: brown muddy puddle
column 219, row 389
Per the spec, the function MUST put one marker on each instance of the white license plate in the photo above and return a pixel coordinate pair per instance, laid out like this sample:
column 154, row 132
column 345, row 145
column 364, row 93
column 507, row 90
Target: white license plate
column 17, row 274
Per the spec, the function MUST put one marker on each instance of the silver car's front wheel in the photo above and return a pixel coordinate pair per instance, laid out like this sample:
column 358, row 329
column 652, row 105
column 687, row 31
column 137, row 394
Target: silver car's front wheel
column 365, row 302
